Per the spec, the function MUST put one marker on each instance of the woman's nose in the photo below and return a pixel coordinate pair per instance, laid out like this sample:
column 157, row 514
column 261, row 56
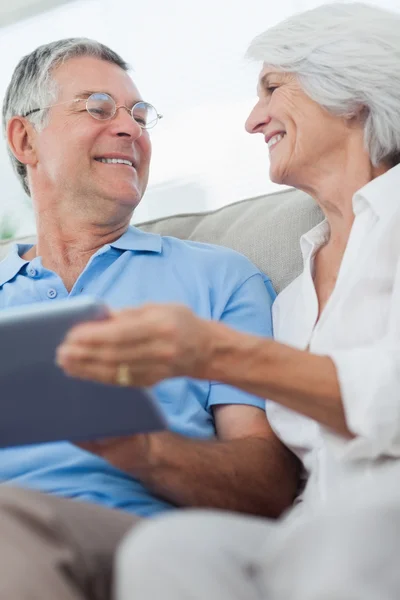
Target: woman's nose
column 257, row 118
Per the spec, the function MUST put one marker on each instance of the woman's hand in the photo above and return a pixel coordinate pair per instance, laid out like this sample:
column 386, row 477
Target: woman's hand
column 153, row 342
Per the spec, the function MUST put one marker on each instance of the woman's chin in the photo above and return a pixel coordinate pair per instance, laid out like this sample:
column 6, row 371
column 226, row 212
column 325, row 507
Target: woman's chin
column 276, row 175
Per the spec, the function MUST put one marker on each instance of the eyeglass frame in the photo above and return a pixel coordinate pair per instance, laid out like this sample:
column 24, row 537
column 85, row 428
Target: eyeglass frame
column 117, row 107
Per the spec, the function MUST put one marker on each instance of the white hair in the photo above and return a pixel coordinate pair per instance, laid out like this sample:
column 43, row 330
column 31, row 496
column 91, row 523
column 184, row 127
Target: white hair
column 346, row 57
column 32, row 85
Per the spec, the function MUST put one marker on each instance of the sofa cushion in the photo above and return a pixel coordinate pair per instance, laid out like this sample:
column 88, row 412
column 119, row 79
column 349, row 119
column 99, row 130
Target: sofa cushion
column 266, row 229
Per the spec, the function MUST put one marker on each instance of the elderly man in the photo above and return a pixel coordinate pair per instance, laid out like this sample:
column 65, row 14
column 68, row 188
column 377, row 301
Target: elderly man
column 77, row 131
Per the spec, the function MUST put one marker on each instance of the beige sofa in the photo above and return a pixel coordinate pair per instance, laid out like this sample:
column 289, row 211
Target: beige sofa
column 266, row 229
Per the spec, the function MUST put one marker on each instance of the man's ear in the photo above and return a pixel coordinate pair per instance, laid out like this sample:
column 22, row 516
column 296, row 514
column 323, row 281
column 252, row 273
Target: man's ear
column 21, row 136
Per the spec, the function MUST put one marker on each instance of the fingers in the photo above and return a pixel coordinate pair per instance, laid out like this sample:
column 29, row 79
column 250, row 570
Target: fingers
column 91, row 370
column 128, row 325
column 110, row 355
column 140, row 375
column 153, row 340
column 101, row 364
column 114, row 331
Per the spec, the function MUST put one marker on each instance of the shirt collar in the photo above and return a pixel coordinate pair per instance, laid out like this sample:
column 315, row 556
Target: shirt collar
column 13, row 263
column 311, row 241
column 135, row 239
column 132, row 239
column 381, row 194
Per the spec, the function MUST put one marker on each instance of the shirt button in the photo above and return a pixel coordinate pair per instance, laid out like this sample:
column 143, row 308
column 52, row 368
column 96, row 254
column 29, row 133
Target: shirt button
column 32, row 272
column 51, row 293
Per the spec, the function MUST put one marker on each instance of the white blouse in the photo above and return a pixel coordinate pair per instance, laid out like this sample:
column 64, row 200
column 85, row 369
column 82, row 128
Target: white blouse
column 359, row 329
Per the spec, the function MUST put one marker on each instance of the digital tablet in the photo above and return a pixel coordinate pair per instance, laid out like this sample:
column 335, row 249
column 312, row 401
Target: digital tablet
column 38, row 403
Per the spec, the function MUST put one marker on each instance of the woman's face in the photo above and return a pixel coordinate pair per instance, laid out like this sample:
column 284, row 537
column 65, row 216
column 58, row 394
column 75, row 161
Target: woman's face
column 302, row 137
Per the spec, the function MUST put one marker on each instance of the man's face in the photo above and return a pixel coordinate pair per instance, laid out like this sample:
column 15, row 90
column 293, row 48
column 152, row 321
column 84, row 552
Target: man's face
column 72, row 148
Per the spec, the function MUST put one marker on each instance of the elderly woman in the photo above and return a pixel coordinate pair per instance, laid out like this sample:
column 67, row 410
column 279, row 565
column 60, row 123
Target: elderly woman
column 328, row 108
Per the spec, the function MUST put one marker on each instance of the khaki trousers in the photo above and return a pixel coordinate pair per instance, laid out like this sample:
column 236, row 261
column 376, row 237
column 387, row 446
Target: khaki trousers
column 57, row 549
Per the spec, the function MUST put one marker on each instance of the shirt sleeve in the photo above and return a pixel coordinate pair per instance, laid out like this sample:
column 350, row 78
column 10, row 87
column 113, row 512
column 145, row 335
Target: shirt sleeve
column 369, row 379
column 248, row 310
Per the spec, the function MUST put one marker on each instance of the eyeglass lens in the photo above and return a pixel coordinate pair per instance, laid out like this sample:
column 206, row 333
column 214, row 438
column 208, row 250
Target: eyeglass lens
column 102, row 106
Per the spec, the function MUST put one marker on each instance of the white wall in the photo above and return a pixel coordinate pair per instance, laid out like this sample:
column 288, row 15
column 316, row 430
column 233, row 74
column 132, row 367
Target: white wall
column 15, row 10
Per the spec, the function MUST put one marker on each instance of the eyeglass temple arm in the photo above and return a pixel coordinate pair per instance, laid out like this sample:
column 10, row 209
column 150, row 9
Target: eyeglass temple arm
column 30, row 112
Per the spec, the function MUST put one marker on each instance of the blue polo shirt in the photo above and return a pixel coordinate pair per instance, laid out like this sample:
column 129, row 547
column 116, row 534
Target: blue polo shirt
column 215, row 282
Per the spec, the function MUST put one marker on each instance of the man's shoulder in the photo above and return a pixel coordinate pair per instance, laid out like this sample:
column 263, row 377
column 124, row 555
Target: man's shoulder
column 208, row 255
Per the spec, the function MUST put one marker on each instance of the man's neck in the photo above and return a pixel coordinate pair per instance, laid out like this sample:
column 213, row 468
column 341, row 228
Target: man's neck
column 66, row 248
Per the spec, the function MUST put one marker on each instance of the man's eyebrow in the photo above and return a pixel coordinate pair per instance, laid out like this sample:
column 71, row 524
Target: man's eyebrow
column 84, row 95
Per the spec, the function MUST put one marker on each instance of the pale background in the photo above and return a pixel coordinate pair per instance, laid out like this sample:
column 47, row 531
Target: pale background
column 188, row 61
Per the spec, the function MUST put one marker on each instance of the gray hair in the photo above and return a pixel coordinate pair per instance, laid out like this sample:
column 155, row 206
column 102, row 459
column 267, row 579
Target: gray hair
column 32, row 85
column 346, row 57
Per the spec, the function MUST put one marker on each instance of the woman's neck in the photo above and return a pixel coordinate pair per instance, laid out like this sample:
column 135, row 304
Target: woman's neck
column 334, row 193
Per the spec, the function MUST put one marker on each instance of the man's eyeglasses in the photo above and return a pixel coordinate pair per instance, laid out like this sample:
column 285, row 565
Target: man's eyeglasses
column 102, row 107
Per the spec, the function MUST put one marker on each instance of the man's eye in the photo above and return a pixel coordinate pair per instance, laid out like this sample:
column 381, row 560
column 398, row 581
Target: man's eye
column 271, row 88
column 98, row 111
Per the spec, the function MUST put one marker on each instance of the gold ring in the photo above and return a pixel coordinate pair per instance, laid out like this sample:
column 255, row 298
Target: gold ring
column 123, row 377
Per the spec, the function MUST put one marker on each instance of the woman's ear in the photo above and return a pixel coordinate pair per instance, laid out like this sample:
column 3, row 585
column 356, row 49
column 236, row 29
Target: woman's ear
column 21, row 136
column 358, row 115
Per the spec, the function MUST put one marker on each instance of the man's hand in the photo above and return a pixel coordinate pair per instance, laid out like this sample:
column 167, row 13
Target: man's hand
column 156, row 342
column 246, row 469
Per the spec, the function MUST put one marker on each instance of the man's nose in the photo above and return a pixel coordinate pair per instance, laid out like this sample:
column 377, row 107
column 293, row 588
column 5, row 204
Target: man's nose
column 125, row 124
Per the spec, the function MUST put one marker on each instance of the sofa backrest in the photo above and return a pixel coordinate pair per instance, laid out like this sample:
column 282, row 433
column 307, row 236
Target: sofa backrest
column 266, row 229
